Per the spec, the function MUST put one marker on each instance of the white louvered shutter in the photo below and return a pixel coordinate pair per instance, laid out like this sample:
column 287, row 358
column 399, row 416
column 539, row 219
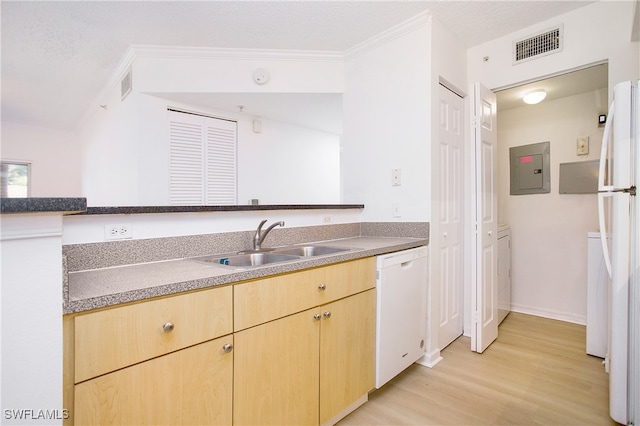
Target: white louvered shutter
column 202, row 160
column 221, row 164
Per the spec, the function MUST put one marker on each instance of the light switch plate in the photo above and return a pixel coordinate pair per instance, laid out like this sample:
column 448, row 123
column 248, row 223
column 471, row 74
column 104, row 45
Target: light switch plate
column 582, row 146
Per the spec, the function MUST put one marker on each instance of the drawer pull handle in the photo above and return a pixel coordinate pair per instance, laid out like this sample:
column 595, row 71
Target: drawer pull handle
column 316, row 317
column 327, row 314
column 168, row 327
column 322, row 287
column 227, row 348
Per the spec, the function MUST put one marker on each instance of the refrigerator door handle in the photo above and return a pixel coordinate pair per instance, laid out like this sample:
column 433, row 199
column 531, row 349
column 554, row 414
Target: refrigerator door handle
column 603, row 230
column 606, row 137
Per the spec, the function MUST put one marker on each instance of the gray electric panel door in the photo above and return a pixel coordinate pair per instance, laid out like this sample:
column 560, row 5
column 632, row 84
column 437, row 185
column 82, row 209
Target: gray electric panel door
column 530, row 169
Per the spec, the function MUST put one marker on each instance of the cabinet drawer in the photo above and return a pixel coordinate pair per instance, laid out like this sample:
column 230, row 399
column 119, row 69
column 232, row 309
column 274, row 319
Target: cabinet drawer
column 115, row 338
column 264, row 300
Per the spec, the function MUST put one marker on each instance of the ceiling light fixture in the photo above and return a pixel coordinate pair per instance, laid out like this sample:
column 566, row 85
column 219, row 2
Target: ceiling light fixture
column 534, row 97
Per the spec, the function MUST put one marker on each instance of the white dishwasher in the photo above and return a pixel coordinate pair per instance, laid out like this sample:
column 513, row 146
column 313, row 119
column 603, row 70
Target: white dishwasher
column 401, row 283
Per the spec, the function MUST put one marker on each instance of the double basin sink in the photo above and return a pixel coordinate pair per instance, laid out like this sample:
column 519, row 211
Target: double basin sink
column 248, row 259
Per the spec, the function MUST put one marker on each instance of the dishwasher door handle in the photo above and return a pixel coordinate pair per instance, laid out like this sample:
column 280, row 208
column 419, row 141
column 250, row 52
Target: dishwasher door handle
column 407, row 264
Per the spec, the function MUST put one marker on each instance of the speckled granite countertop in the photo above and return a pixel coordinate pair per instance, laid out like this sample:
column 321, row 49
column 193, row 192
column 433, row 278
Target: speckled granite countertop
column 98, row 288
column 42, row 205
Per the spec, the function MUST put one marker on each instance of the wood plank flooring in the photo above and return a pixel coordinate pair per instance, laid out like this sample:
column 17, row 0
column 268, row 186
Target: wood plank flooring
column 535, row 373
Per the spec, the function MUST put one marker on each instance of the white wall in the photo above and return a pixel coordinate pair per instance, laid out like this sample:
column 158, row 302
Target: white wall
column 592, row 34
column 130, row 136
column 53, row 154
column 82, row 229
column 157, row 70
column 549, row 231
column 387, row 126
column 31, row 313
column 287, row 164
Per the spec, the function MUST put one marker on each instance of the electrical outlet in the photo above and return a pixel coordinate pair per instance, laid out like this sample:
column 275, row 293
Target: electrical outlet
column 120, row 231
column 395, row 177
column 396, row 209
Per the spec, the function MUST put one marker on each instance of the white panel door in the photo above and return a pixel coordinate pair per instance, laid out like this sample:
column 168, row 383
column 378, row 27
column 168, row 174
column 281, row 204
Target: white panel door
column 484, row 293
column 450, row 205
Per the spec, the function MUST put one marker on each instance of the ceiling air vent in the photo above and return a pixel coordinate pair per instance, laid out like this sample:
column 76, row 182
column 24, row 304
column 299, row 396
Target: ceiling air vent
column 538, row 45
column 125, row 85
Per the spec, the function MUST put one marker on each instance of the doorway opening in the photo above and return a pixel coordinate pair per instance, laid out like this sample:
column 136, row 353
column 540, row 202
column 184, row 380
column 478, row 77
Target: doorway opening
column 549, row 231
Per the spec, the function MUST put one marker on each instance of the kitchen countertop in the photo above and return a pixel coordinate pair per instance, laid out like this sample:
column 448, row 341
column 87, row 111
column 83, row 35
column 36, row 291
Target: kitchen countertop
column 42, row 205
column 98, row 288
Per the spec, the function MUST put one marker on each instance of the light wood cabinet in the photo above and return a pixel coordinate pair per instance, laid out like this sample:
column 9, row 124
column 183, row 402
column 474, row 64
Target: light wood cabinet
column 192, row 386
column 307, row 367
column 157, row 362
column 347, row 353
column 263, row 300
column 114, row 338
column 276, row 372
column 303, row 352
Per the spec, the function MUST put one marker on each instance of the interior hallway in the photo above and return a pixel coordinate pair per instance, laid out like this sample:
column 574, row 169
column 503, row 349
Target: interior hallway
column 535, row 373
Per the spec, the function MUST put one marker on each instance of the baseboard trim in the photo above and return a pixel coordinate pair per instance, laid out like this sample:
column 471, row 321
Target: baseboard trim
column 430, row 360
column 546, row 313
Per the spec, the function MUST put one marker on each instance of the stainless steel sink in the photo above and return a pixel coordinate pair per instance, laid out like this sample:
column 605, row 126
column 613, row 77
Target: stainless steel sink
column 267, row 256
column 305, row 251
column 249, row 259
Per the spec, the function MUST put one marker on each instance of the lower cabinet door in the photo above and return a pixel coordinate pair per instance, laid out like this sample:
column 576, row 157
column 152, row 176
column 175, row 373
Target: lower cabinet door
column 276, row 372
column 192, row 386
column 347, row 353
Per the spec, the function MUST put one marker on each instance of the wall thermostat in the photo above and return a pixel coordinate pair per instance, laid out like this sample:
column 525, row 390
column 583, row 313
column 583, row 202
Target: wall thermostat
column 261, row 76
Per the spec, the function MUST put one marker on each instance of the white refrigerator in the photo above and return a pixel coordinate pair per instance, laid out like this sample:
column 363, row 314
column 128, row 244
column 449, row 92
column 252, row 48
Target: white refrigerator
column 619, row 213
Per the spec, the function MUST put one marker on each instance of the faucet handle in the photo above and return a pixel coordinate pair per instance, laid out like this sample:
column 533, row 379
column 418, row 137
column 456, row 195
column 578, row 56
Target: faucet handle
column 261, row 225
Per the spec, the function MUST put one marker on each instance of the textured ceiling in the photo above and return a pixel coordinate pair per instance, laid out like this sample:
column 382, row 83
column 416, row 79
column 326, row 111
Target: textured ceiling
column 57, row 56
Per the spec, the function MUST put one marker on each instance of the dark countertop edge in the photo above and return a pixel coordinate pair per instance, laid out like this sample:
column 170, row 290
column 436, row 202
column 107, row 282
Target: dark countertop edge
column 43, row 205
column 138, row 295
column 197, row 209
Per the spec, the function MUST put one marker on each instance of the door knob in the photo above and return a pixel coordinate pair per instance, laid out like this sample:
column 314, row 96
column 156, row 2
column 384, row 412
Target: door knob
column 168, row 327
column 316, row 317
column 327, row 314
column 322, row 287
column 227, row 348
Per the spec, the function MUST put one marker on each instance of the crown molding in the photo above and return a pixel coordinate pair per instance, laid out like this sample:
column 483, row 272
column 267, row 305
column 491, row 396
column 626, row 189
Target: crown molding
column 179, row 52
column 388, row 35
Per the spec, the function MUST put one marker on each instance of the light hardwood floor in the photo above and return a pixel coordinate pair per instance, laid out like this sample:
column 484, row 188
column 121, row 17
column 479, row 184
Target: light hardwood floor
column 535, row 373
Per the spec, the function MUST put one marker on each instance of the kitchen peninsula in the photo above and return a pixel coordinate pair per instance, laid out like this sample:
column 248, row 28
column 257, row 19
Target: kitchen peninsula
column 101, row 277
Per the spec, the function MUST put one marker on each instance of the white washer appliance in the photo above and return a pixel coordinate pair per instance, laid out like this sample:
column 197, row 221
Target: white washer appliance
column 597, row 298
column 401, row 283
column 504, row 272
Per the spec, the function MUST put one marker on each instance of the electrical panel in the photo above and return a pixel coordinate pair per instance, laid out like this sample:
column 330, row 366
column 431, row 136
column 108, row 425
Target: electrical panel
column 530, row 169
column 579, row 178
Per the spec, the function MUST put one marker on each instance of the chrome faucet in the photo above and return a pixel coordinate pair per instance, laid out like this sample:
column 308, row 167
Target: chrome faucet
column 259, row 236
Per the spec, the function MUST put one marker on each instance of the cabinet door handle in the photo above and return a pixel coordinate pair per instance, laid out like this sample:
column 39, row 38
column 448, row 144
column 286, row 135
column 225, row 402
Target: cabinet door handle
column 227, row 348
column 168, row 327
column 316, row 317
column 327, row 314
column 322, row 287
